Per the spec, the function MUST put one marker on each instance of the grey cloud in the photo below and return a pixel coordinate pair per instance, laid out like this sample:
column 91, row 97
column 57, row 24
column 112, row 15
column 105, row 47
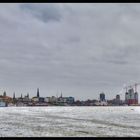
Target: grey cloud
column 46, row 12
column 86, row 49
column 117, row 62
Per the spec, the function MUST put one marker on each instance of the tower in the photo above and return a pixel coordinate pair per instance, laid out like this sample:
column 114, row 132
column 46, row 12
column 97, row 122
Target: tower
column 118, row 97
column 14, row 95
column 28, row 95
column 136, row 93
column 126, row 97
column 102, row 96
column 21, row 95
column 38, row 92
column 4, row 93
column 136, row 97
column 61, row 94
column 131, row 94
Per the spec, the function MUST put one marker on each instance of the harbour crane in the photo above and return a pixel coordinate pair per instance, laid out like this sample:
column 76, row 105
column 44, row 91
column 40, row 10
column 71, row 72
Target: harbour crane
column 126, row 87
column 135, row 85
column 131, row 86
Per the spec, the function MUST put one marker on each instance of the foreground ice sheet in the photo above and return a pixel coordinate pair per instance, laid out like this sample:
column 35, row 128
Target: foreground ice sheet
column 69, row 121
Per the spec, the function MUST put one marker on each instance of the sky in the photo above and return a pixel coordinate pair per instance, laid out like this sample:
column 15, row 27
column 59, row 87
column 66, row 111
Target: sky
column 80, row 50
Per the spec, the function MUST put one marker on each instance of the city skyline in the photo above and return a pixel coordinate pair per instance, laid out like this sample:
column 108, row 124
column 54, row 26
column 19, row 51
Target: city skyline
column 79, row 49
column 22, row 95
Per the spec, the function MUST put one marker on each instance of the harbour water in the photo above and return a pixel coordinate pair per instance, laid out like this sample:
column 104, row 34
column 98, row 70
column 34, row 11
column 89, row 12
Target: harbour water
column 68, row 121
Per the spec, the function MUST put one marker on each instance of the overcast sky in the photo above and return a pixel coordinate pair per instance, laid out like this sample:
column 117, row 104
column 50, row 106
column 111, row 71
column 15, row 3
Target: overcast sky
column 79, row 49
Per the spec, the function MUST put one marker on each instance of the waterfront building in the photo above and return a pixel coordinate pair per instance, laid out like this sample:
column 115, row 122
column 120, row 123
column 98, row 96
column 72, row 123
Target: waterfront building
column 102, row 96
column 20, row 104
column 38, row 98
column 111, row 102
column 47, row 99
column 88, row 102
column 118, row 97
column 53, row 99
column 65, row 100
column 3, row 103
column 5, row 98
column 26, row 98
column 136, row 97
column 60, row 100
column 35, row 99
column 11, row 104
column 41, row 99
column 20, row 99
column 96, row 103
column 78, row 103
column 4, row 93
column 117, row 101
column 70, row 100
column 103, row 103
column 131, row 97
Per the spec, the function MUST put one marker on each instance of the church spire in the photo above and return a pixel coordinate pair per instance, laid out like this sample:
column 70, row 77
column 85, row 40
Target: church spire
column 14, row 95
column 38, row 92
column 28, row 95
column 61, row 94
column 4, row 93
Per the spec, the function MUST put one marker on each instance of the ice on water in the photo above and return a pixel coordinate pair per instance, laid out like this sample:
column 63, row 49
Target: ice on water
column 69, row 121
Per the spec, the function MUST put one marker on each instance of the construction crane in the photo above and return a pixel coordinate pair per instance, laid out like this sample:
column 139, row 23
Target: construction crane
column 135, row 85
column 126, row 87
column 131, row 86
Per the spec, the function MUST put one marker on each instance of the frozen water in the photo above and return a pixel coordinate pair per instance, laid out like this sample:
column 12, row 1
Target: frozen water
column 70, row 121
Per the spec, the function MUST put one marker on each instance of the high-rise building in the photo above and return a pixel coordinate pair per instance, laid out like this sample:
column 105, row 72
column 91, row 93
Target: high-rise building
column 102, row 97
column 117, row 97
column 117, row 101
column 126, row 96
column 136, row 97
column 131, row 97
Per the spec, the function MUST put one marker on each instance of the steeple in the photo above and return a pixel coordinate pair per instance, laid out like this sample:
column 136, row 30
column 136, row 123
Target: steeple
column 14, row 95
column 61, row 94
column 21, row 95
column 4, row 93
column 28, row 95
column 38, row 92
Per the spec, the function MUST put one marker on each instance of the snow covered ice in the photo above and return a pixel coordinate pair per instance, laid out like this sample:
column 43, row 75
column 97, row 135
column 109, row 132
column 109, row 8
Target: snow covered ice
column 70, row 121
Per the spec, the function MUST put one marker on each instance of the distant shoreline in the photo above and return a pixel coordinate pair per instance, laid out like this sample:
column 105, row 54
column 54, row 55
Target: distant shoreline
column 73, row 106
